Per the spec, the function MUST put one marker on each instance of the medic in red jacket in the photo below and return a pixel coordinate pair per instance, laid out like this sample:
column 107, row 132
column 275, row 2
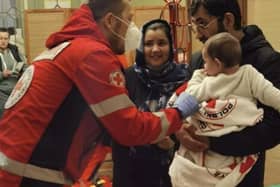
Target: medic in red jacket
column 63, row 105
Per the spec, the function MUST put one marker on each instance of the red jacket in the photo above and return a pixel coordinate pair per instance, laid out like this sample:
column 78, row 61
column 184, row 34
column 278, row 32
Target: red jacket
column 72, row 93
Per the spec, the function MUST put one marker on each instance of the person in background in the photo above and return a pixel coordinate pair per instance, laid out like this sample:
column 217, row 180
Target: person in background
column 150, row 83
column 12, row 64
column 228, row 94
column 210, row 17
column 71, row 97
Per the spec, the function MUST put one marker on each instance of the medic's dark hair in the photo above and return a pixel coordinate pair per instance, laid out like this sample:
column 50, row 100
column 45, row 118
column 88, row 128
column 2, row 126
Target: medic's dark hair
column 100, row 8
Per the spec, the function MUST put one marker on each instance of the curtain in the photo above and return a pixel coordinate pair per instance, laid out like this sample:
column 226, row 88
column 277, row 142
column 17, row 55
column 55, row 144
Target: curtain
column 8, row 13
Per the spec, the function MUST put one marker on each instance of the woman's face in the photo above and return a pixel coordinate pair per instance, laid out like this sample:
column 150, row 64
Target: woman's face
column 156, row 48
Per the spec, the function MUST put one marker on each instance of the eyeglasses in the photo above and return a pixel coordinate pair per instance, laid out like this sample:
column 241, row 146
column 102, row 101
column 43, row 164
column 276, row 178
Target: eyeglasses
column 201, row 26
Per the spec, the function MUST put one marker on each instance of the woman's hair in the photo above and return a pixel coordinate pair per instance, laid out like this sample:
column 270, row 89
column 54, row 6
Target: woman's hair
column 100, row 8
column 159, row 24
column 218, row 8
column 225, row 47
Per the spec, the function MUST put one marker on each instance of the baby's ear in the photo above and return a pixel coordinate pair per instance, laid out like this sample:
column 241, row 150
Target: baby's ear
column 220, row 63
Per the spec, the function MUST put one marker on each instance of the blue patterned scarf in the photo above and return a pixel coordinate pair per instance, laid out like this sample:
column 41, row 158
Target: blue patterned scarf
column 161, row 84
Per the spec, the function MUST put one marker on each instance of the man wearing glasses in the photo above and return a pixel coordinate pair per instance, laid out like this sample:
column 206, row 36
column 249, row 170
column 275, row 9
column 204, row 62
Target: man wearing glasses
column 210, row 17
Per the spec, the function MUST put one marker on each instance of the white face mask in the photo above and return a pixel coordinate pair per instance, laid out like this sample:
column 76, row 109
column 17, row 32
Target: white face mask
column 132, row 37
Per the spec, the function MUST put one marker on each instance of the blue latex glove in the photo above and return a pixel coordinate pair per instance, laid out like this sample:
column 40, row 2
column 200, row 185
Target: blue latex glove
column 186, row 104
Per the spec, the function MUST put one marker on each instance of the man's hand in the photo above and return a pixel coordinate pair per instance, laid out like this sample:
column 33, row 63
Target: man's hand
column 187, row 137
column 166, row 144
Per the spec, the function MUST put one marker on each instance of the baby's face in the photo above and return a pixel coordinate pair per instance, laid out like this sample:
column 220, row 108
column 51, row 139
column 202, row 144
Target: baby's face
column 211, row 66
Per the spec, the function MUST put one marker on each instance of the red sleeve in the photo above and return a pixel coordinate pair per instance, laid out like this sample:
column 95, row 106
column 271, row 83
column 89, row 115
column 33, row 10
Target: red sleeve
column 101, row 82
column 182, row 88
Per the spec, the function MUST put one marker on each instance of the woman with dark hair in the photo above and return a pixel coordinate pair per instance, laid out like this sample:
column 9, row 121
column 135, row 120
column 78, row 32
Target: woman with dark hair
column 150, row 83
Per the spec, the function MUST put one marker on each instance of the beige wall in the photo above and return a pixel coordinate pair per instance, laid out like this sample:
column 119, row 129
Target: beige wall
column 261, row 12
column 147, row 2
column 152, row 2
column 265, row 13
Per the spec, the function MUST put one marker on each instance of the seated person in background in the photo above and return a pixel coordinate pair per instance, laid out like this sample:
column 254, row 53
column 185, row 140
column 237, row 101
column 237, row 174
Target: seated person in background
column 228, row 93
column 12, row 64
column 150, row 83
